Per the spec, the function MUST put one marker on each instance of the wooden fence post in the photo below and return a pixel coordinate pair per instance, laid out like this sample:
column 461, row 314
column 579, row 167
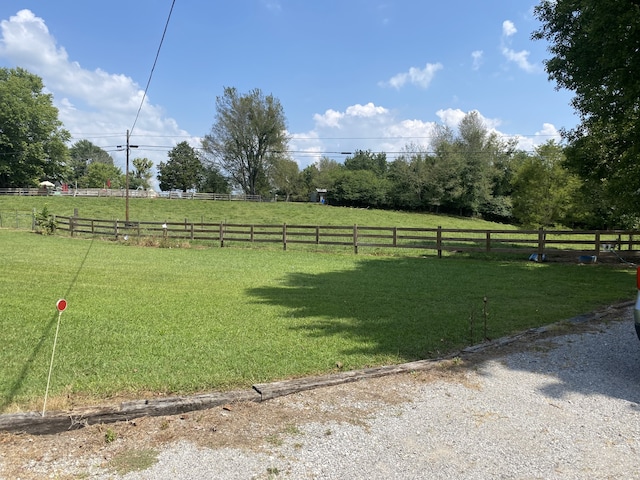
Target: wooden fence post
column 317, row 234
column 355, row 238
column 541, row 238
column 395, row 237
column 596, row 243
column 439, row 241
column 115, row 229
column 71, row 225
column 488, row 242
column 284, row 236
column 221, row 234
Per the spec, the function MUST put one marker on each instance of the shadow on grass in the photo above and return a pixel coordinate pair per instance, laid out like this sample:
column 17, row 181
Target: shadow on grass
column 17, row 384
column 414, row 308
column 411, row 308
column 46, row 335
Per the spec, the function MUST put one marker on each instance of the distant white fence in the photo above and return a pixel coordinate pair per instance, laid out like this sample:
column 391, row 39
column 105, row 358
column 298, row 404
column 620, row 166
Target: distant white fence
column 108, row 192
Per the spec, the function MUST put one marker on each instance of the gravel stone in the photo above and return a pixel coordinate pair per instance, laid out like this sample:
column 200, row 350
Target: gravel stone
column 567, row 408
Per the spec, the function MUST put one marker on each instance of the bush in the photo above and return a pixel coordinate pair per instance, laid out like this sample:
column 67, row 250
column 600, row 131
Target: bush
column 45, row 222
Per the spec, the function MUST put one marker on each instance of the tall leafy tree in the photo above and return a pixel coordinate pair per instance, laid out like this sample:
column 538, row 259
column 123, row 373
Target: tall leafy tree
column 545, row 192
column 595, row 53
column 286, row 178
column 103, row 175
column 248, row 134
column 82, row 153
column 367, row 160
column 183, row 171
column 475, row 144
column 141, row 173
column 32, row 139
column 213, row 181
column 358, row 188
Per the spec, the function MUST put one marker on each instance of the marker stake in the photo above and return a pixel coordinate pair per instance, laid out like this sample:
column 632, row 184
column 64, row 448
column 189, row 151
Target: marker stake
column 61, row 305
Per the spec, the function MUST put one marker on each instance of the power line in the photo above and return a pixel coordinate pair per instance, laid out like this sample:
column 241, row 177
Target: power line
column 144, row 96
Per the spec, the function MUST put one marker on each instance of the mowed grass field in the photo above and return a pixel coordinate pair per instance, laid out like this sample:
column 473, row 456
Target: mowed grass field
column 142, row 209
column 160, row 321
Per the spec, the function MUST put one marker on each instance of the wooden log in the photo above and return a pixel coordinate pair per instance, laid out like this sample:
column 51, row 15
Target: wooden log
column 287, row 387
column 60, row 421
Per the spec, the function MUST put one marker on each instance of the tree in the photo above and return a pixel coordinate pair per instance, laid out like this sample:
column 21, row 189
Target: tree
column 545, row 192
column 82, row 153
column 367, row 160
column 213, row 181
column 359, row 188
column 103, row 175
column 595, row 49
column 285, row 177
column 32, row 140
column 248, row 134
column 412, row 176
column 475, row 144
column 183, row 171
column 141, row 173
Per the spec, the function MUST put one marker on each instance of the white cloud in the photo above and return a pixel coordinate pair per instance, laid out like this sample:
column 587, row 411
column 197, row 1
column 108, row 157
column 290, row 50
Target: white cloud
column 508, row 28
column 477, row 57
column 521, row 58
column 361, row 127
column 376, row 128
column 452, row 117
column 548, row 132
column 368, row 110
column 330, row 119
column 95, row 105
column 415, row 76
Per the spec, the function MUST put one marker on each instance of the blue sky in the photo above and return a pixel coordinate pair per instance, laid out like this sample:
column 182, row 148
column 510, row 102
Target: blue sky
column 350, row 74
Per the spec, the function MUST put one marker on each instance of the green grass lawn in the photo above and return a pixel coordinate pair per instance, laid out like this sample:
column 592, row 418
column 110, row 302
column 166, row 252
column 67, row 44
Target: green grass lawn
column 144, row 321
column 208, row 211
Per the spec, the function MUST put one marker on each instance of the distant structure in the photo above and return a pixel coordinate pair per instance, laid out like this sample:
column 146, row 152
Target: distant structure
column 319, row 196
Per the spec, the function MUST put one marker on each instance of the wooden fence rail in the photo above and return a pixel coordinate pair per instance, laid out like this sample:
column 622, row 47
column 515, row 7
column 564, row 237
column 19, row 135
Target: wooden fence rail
column 121, row 193
column 539, row 242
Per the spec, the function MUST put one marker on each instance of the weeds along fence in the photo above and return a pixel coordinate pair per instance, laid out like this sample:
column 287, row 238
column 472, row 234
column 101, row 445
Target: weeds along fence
column 532, row 242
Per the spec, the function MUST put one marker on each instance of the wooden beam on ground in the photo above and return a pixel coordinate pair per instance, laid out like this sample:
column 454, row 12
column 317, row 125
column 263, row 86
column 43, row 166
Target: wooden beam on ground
column 60, row 421
column 287, row 387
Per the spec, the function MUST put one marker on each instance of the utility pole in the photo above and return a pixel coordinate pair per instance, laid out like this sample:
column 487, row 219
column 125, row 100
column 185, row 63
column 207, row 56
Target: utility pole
column 126, row 188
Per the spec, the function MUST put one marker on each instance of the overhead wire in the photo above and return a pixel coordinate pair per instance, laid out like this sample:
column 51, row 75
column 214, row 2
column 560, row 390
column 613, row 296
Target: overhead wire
column 155, row 61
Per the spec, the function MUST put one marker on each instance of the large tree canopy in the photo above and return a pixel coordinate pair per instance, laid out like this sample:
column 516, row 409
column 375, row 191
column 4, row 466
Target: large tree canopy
column 248, row 133
column 595, row 47
column 183, row 171
column 32, row 140
column 83, row 153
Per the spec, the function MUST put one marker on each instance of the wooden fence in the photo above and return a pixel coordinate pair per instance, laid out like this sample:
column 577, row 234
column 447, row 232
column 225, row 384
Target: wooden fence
column 120, row 193
column 531, row 242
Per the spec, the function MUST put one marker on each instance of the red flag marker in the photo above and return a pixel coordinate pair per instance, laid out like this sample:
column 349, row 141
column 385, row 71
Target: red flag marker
column 61, row 305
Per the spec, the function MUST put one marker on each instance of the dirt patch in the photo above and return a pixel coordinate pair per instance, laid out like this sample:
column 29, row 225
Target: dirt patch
column 250, row 426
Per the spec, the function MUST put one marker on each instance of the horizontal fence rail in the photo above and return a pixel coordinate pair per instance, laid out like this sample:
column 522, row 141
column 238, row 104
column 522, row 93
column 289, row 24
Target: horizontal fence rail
column 121, row 193
column 532, row 242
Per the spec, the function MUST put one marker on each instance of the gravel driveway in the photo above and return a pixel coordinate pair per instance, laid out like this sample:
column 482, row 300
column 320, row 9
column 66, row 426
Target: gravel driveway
column 565, row 407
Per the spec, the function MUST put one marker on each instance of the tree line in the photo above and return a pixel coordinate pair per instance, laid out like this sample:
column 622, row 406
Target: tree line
column 590, row 180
